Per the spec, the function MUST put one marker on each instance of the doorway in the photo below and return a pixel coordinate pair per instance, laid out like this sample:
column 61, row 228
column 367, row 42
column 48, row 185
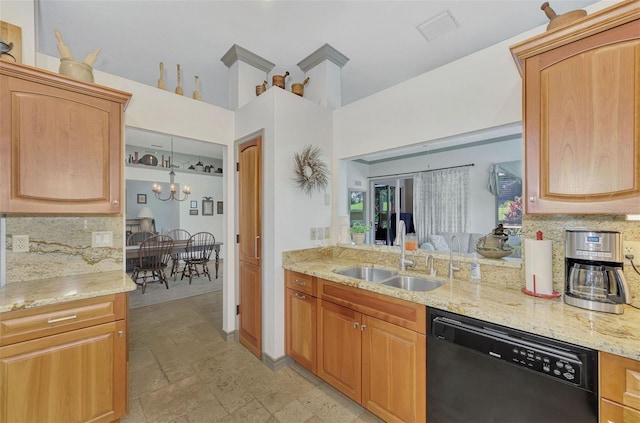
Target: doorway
column 392, row 201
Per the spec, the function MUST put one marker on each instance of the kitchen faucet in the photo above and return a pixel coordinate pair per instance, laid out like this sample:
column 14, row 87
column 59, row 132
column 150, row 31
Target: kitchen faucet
column 432, row 270
column 402, row 232
column 453, row 268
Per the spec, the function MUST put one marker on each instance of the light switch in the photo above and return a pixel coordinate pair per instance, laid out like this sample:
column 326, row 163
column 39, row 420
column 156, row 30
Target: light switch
column 101, row 239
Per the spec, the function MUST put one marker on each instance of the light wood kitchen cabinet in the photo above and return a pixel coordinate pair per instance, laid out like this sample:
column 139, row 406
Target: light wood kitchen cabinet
column 619, row 389
column 60, row 144
column 581, row 107
column 372, row 348
column 66, row 362
column 300, row 319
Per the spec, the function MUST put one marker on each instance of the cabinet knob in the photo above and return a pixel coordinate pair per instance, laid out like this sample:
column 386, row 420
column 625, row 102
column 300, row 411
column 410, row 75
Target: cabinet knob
column 120, row 333
column 363, row 327
column 532, row 199
column 355, row 325
column 114, row 202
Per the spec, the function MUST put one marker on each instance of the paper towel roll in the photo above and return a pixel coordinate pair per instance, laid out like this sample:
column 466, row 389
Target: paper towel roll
column 538, row 264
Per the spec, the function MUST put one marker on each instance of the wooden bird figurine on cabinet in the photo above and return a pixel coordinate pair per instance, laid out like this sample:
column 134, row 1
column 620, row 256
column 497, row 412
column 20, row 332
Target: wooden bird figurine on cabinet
column 179, row 87
column 196, row 93
column 161, row 83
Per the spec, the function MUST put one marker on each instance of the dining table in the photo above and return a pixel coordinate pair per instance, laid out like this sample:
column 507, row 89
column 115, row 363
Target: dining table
column 179, row 246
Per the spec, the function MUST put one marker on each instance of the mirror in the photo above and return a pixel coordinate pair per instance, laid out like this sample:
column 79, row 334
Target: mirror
column 149, row 159
column 380, row 185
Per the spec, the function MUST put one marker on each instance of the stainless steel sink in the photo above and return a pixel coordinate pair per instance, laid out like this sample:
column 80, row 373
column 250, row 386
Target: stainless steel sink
column 367, row 273
column 412, row 283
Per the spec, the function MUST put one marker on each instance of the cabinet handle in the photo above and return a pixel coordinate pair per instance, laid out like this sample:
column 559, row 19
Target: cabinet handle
column 62, row 319
column 532, row 199
column 301, row 283
column 355, row 325
column 255, row 247
column 302, row 297
column 363, row 327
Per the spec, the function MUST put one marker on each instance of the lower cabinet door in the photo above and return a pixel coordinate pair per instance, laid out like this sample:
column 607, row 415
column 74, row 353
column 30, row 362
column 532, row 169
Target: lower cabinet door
column 301, row 328
column 76, row 376
column 339, row 348
column 394, row 368
column 610, row 412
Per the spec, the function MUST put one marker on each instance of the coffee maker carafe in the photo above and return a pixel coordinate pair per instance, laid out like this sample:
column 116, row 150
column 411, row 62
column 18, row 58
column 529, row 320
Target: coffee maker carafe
column 594, row 271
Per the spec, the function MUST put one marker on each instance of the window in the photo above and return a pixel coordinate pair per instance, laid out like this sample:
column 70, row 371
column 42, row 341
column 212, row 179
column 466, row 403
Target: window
column 356, row 207
column 509, row 200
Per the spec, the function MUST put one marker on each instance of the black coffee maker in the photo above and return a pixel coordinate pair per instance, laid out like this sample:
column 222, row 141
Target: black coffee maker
column 594, row 271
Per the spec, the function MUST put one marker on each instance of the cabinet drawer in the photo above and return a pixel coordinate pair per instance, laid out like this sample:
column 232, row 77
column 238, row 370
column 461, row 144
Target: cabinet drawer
column 301, row 282
column 610, row 412
column 23, row 325
column 620, row 380
column 393, row 310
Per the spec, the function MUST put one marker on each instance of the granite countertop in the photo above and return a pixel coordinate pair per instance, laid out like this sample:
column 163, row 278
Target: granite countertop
column 613, row 333
column 39, row 292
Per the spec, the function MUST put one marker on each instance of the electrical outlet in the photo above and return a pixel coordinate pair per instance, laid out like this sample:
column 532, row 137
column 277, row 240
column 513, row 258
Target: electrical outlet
column 20, row 243
column 101, row 239
column 327, row 233
column 632, row 247
column 313, row 234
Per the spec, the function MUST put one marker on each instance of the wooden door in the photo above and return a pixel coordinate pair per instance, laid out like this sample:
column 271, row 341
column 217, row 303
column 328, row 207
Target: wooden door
column 250, row 244
column 300, row 332
column 582, row 134
column 71, row 377
column 394, row 369
column 339, row 348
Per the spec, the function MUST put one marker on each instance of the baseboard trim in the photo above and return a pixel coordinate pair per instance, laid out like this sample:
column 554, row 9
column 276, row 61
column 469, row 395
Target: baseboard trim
column 275, row 364
column 229, row 336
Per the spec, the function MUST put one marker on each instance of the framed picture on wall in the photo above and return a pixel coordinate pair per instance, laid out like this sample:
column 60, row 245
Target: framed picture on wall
column 193, row 212
column 194, row 204
column 207, row 206
column 142, row 198
column 220, row 207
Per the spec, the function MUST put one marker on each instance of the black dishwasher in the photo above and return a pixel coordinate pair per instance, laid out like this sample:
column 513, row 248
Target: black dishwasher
column 482, row 372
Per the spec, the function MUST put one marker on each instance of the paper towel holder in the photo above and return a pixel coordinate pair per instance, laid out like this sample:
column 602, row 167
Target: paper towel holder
column 554, row 294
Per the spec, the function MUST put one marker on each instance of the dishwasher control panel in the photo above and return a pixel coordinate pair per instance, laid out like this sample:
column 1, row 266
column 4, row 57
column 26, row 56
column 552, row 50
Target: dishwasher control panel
column 559, row 360
column 563, row 367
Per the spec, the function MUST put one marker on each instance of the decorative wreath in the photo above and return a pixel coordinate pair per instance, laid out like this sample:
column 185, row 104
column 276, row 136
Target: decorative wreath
column 311, row 172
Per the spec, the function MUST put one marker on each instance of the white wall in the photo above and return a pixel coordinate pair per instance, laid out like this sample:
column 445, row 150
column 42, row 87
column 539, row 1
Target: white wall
column 21, row 13
column 288, row 123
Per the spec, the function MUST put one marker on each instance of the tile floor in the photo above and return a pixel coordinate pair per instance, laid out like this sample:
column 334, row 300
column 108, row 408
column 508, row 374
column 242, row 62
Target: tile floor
column 182, row 371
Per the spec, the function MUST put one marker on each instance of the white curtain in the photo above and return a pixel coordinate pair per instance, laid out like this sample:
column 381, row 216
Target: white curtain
column 441, row 201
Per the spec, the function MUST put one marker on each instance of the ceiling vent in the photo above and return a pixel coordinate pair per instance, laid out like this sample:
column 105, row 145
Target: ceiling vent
column 439, row 25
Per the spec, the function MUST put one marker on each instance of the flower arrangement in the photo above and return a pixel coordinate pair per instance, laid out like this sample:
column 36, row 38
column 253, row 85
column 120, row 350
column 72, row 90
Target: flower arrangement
column 514, row 211
column 359, row 228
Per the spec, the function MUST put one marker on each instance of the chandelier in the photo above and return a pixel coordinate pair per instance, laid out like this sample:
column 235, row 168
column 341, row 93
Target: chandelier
column 173, row 192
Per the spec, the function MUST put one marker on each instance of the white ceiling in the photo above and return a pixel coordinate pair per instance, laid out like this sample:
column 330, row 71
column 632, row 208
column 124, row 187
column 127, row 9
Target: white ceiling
column 380, row 38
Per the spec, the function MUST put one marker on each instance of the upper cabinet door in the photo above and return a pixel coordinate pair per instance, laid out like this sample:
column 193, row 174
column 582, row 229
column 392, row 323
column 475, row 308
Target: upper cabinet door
column 61, row 145
column 581, row 123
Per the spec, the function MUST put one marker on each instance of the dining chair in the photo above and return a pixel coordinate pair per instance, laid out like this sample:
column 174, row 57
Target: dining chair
column 197, row 253
column 135, row 239
column 153, row 257
column 178, row 235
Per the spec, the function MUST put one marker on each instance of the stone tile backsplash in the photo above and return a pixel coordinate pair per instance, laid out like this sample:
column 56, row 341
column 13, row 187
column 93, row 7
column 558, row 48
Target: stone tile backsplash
column 61, row 246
